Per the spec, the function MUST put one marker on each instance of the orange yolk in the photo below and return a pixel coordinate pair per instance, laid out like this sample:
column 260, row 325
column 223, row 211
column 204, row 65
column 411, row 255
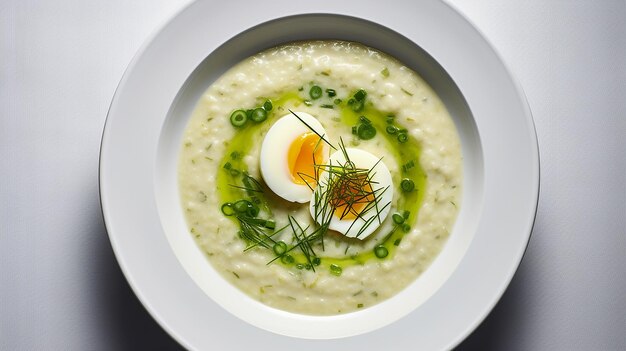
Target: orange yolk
column 304, row 153
column 351, row 196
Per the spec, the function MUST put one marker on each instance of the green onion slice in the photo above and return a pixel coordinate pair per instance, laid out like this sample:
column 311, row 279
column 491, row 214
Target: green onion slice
column 403, row 137
column 380, row 251
column 241, row 206
column 366, row 131
column 407, row 185
column 238, row 118
column 391, row 130
column 287, row 259
column 280, row 248
column 397, row 218
column 258, row 115
column 335, row 270
column 315, row 92
column 227, row 209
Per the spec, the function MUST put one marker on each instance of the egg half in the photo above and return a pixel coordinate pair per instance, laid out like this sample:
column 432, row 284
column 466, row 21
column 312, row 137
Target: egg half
column 354, row 195
column 289, row 152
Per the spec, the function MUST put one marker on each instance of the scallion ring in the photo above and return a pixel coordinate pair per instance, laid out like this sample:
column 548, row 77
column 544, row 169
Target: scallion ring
column 238, row 118
column 280, row 248
column 407, row 185
column 287, row 259
column 380, row 251
column 258, row 115
column 315, row 92
column 227, row 209
column 241, row 206
column 335, row 270
column 403, row 137
column 366, row 131
column 397, row 218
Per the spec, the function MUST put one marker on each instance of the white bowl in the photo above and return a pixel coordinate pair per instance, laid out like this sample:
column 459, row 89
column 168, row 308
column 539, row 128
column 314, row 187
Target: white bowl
column 176, row 282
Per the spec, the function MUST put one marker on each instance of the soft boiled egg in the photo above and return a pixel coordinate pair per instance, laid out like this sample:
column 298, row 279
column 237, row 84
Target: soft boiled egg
column 353, row 195
column 291, row 149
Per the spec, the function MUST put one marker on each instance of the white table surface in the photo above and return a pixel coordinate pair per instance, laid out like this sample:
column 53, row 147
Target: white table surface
column 61, row 288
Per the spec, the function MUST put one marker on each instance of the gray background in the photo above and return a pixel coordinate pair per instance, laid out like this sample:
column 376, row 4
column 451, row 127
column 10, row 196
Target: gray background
column 61, row 288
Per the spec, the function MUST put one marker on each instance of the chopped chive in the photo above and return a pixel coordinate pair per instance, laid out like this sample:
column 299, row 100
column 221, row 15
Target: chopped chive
column 299, row 266
column 389, row 120
column 270, row 224
column 406, row 228
column 360, row 95
column 227, row 166
column 238, row 118
column 406, row 214
column 365, row 120
column 337, row 101
column 406, row 92
column 360, row 305
column 335, row 270
column 280, row 248
column 258, row 115
column 397, row 218
column 397, row 242
column 316, row 261
column 315, row 92
column 380, row 251
column 235, row 155
column 408, row 165
column 407, row 185
column 227, row 209
column 354, row 130
column 385, row 72
column 253, row 210
column 327, row 106
column 234, row 172
column 331, row 92
column 267, row 105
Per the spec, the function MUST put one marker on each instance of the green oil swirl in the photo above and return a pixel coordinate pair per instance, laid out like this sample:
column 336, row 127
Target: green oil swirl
column 403, row 153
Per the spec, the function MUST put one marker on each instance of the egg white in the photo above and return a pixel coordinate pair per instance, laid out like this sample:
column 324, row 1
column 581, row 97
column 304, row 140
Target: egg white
column 275, row 150
column 381, row 183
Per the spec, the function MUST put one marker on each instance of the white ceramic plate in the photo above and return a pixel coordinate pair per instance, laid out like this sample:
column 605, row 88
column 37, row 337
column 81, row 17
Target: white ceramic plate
column 188, row 297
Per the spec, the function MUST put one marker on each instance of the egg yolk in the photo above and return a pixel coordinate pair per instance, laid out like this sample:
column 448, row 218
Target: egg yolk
column 304, row 153
column 351, row 195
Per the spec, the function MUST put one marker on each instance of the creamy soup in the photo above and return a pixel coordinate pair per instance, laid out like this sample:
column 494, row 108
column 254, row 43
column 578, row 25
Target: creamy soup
column 320, row 177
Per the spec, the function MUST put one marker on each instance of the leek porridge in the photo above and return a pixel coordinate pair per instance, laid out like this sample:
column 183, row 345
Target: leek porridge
column 320, row 177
